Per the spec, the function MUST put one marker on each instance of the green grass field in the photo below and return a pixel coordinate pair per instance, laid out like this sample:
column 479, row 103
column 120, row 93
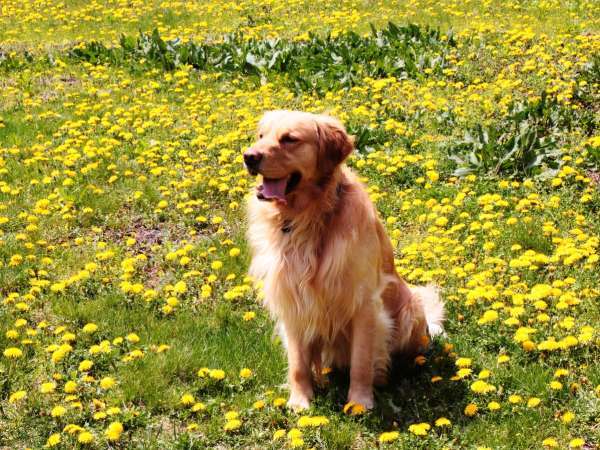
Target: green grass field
column 126, row 316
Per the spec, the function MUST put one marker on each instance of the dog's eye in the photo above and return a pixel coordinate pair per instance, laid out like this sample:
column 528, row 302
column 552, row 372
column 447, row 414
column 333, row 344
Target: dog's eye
column 260, row 136
column 287, row 139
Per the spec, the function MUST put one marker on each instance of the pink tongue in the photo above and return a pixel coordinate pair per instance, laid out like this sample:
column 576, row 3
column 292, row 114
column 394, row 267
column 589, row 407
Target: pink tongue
column 274, row 188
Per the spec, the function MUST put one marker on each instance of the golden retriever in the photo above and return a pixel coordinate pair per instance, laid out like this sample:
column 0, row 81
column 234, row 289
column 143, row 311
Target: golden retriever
column 325, row 262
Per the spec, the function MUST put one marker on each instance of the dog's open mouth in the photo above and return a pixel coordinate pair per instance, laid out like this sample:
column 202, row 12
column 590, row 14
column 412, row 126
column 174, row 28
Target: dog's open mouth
column 278, row 188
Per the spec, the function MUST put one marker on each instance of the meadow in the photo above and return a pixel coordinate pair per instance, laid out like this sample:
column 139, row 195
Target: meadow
column 127, row 319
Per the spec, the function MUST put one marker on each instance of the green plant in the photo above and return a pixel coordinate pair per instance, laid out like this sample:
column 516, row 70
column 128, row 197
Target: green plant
column 319, row 63
column 522, row 144
column 586, row 96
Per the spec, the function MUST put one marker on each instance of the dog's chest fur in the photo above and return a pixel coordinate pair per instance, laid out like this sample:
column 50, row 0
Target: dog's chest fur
column 314, row 280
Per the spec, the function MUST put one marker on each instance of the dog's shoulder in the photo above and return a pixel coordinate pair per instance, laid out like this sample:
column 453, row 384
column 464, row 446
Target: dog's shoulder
column 355, row 205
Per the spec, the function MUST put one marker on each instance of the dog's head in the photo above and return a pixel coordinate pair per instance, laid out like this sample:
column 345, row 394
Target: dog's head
column 295, row 151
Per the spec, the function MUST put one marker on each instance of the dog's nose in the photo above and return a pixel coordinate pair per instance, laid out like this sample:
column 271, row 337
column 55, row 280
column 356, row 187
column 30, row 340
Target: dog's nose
column 252, row 160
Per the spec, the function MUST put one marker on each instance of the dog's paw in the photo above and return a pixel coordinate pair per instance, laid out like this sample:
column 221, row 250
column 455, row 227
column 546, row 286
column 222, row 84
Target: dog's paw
column 298, row 402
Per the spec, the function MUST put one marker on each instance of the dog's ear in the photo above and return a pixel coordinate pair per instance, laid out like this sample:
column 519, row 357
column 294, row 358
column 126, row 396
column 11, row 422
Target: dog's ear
column 334, row 145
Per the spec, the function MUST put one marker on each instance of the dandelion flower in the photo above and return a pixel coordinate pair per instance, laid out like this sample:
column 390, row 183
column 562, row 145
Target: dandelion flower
column 17, row 396
column 316, row 421
column 217, row 374
column 198, row 406
column 47, row 388
column 481, row 387
column 89, row 328
column 567, row 417
column 107, row 383
column 550, row 442
column 85, row 437
column 232, row 425
column 231, row 415
column 556, row 385
column 576, row 443
column 464, row 372
column 514, row 399
column 13, row 353
column 114, row 431
column 493, row 406
column 484, row 374
column 249, row 315
column 502, row 359
column 70, row 387
column 559, row 373
column 85, row 365
column 388, row 436
column 187, row 399
column 443, row 422
column 58, row 411
column 470, row 410
column 278, row 434
column 133, row 338
column 354, row 409
column 294, row 433
column 296, row 442
column 463, row 362
column 419, row 429
column 53, row 440
column 279, row 401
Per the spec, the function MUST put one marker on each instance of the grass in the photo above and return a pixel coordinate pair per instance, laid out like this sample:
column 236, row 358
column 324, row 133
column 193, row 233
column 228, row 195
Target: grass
column 122, row 230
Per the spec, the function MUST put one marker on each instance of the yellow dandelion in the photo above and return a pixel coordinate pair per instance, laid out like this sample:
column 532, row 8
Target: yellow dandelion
column 17, row 396
column 187, row 399
column 53, row 440
column 13, row 353
column 58, row 411
column 278, row 435
column 470, row 410
column 354, row 409
column 419, row 429
column 249, row 315
column 107, row 383
column 245, row 373
column 198, row 406
column 443, row 422
column 279, row 401
column 217, row 374
column 47, row 388
column 389, row 436
column 576, row 443
column 493, row 406
column 550, row 442
column 113, row 431
column 232, row 425
column 85, row 437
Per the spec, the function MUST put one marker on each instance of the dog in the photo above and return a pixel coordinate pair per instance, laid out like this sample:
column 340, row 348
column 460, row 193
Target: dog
column 325, row 262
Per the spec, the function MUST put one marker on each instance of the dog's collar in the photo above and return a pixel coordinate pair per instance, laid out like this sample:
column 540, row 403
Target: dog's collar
column 287, row 227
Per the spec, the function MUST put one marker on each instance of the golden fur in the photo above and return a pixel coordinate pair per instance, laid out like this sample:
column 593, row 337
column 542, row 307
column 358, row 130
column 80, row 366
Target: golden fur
column 325, row 261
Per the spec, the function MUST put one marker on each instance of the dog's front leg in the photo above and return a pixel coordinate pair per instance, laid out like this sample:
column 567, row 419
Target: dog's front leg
column 299, row 373
column 362, row 358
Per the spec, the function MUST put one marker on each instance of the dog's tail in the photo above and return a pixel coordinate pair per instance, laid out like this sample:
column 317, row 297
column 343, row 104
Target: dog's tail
column 433, row 306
